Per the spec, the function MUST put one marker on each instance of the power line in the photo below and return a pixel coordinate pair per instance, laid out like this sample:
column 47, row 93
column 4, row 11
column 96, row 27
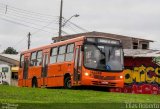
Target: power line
column 32, row 15
column 21, row 13
column 71, row 28
column 32, row 34
column 24, row 21
column 15, row 22
column 9, row 14
column 23, row 46
column 28, row 20
column 29, row 12
column 20, row 41
column 28, row 16
column 78, row 26
column 22, row 24
column 65, row 32
column 42, row 28
column 25, row 18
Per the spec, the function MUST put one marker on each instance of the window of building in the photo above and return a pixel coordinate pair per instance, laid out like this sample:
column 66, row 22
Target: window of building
column 33, row 59
column 53, row 55
column 144, row 46
column 135, row 45
column 69, row 54
column 61, row 53
column 14, row 75
column 22, row 61
column 39, row 58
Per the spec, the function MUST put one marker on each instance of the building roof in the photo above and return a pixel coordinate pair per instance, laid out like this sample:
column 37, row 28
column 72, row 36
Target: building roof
column 9, row 59
column 141, row 53
column 11, row 56
column 100, row 33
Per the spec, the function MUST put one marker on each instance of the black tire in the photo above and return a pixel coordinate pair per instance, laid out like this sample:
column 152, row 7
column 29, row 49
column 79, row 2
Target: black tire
column 34, row 83
column 67, row 83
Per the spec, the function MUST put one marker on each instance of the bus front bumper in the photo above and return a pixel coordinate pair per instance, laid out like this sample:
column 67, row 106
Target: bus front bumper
column 104, row 83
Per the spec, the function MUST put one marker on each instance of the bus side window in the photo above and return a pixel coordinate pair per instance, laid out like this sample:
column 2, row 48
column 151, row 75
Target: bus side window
column 39, row 58
column 69, row 54
column 53, row 55
column 22, row 61
column 33, row 59
column 61, row 53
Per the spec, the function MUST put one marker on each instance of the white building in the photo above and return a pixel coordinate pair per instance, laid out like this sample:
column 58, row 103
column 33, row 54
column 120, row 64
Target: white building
column 13, row 62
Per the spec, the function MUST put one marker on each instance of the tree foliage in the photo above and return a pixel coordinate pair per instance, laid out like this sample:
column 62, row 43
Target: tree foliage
column 10, row 50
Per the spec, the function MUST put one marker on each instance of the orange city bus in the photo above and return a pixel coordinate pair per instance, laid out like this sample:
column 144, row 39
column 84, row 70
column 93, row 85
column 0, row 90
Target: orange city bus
column 87, row 61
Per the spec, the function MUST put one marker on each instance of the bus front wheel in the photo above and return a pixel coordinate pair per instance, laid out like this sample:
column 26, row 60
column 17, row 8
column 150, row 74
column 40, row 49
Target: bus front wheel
column 67, row 83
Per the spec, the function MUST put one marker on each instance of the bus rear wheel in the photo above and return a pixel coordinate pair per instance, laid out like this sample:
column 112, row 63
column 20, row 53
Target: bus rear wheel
column 67, row 83
column 34, row 83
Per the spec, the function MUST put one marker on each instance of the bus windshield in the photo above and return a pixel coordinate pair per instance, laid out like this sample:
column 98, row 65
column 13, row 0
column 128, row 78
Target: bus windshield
column 103, row 57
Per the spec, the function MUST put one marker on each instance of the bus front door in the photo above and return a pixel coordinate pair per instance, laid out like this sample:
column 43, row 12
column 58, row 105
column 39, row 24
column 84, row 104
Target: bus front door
column 44, row 70
column 77, row 65
column 25, row 72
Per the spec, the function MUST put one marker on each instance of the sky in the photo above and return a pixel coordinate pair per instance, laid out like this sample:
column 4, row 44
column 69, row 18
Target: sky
column 135, row 18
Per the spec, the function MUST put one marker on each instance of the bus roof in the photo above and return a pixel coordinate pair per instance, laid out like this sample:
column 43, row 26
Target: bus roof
column 54, row 44
column 64, row 42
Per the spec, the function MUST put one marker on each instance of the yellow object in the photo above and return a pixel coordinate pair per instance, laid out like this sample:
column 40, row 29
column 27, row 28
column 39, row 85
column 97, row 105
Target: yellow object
column 14, row 69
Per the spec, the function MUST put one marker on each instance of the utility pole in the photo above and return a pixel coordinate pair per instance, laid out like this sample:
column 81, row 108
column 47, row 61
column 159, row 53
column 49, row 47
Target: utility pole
column 6, row 9
column 29, row 40
column 60, row 20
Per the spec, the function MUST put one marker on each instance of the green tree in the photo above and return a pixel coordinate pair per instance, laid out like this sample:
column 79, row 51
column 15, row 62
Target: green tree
column 10, row 50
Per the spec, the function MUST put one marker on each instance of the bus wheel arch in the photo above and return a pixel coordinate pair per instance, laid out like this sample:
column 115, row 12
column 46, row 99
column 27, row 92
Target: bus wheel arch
column 34, row 82
column 67, row 81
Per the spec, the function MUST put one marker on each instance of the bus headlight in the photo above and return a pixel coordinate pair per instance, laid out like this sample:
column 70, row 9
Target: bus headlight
column 120, row 77
column 86, row 74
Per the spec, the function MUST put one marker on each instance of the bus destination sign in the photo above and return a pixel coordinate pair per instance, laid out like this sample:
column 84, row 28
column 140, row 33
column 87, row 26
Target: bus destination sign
column 108, row 41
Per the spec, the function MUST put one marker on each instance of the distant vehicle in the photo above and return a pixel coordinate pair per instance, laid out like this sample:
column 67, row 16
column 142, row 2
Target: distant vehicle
column 5, row 74
column 87, row 61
